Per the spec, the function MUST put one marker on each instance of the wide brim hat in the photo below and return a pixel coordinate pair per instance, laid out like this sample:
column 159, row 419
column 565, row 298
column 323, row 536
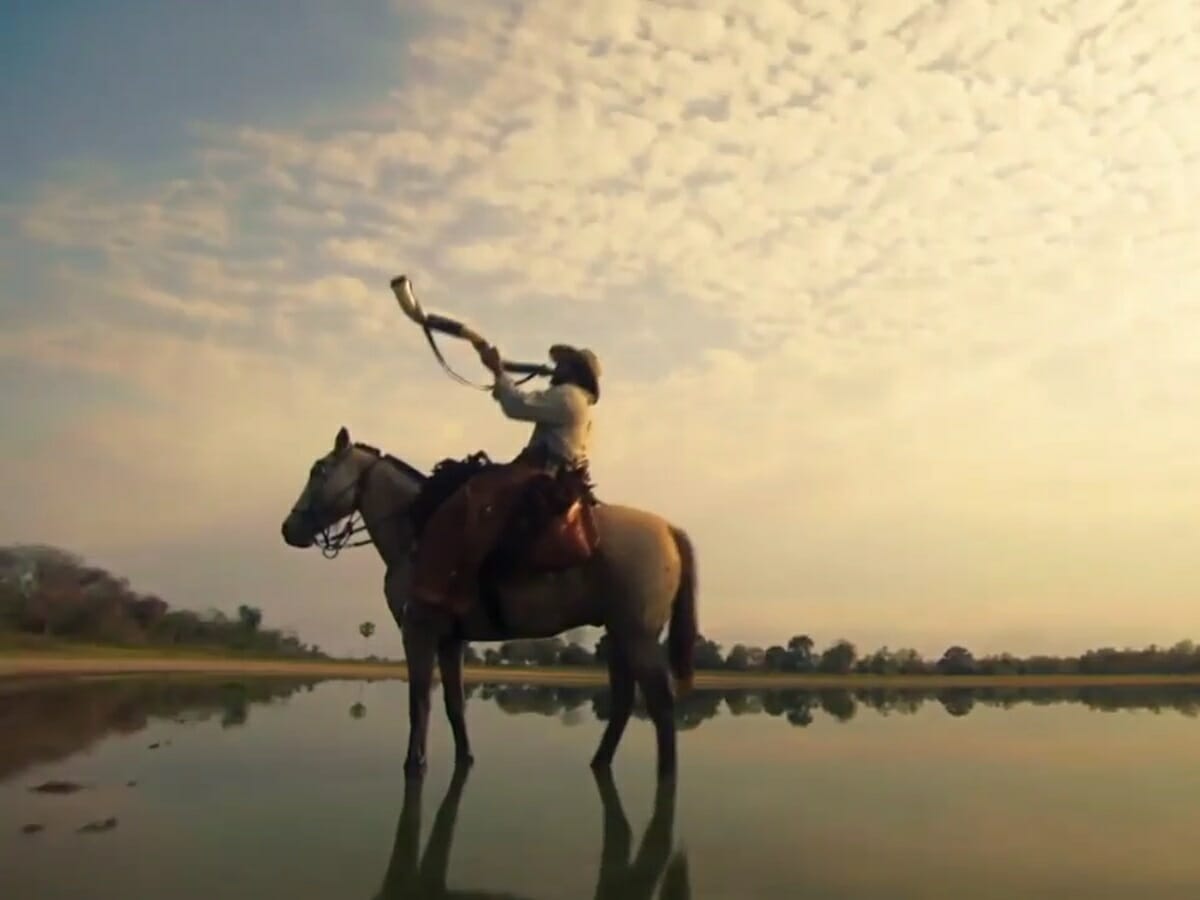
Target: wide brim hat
column 580, row 355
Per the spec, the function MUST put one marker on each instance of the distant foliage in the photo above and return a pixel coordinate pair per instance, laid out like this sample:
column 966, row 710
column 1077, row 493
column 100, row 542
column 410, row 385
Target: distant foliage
column 48, row 591
column 804, row 706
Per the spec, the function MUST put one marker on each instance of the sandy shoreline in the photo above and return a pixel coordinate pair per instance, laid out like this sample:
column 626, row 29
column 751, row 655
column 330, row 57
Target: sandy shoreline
column 19, row 666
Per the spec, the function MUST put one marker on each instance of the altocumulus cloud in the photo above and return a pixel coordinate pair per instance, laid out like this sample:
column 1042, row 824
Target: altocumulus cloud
column 897, row 302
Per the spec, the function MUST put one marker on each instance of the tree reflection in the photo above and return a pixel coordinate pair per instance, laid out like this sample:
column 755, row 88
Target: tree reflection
column 957, row 701
column 414, row 875
column 49, row 722
column 798, row 705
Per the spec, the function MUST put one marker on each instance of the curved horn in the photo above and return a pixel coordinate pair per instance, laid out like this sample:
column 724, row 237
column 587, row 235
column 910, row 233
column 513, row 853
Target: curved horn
column 431, row 322
column 402, row 288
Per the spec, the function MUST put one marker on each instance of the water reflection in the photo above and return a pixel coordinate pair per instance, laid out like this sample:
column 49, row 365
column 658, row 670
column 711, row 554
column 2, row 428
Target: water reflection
column 962, row 801
column 51, row 721
column 48, row 722
column 799, row 705
column 413, row 875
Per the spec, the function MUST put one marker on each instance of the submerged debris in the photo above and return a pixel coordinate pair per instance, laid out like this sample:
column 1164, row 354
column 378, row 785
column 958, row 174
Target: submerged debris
column 32, row 828
column 57, row 787
column 96, row 827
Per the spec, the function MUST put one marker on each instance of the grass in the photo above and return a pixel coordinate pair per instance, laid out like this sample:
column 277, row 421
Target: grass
column 36, row 645
column 25, row 655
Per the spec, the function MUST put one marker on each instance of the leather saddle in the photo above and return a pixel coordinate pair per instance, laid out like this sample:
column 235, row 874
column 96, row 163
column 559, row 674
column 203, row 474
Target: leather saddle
column 479, row 523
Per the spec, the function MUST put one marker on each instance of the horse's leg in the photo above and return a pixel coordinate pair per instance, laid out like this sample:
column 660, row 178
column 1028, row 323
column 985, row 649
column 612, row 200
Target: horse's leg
column 420, row 651
column 650, row 670
column 621, row 685
column 396, row 598
column 450, row 663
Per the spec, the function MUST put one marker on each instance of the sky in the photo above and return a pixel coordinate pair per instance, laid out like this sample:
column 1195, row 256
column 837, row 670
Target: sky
column 897, row 302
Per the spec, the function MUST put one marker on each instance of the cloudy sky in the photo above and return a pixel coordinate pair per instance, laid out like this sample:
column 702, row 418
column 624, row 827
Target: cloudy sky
column 898, row 302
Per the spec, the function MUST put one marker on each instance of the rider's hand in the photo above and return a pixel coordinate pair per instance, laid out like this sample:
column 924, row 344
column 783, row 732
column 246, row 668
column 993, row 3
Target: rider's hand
column 490, row 357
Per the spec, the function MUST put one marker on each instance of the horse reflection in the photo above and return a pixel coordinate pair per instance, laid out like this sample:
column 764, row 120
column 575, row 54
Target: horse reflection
column 412, row 875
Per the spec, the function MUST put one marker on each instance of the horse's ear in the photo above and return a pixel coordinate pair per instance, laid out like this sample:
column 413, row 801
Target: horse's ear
column 342, row 441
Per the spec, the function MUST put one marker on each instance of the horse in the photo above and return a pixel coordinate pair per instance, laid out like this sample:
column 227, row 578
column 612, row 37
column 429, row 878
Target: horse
column 641, row 578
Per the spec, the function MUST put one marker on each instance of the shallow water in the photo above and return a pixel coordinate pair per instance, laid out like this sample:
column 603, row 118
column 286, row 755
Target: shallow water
column 270, row 788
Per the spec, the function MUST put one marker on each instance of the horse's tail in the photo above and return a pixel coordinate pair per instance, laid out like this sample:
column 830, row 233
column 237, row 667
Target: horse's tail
column 684, row 627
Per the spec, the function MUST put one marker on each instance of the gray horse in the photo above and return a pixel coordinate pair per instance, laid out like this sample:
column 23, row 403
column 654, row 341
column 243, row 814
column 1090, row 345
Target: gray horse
column 642, row 577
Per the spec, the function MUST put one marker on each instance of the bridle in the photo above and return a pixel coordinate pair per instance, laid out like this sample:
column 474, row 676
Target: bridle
column 330, row 541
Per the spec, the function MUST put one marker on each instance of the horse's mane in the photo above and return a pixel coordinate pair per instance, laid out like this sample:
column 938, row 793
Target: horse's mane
column 395, row 461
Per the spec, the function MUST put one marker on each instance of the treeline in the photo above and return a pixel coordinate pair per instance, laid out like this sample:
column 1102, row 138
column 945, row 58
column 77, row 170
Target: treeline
column 53, row 593
column 800, row 654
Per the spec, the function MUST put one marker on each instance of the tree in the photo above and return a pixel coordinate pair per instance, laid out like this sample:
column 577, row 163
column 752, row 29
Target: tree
column 908, row 661
column 776, row 658
column 839, row 658
column 575, row 655
column 148, row 611
column 366, row 629
column 881, row 662
column 250, row 617
column 956, row 661
column 546, row 652
column 739, row 658
column 601, row 652
column 800, row 653
column 532, row 651
column 707, row 654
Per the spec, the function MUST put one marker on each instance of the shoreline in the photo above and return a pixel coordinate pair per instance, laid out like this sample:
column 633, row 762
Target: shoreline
column 44, row 666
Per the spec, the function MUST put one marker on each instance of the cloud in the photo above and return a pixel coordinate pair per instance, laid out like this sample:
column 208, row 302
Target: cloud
column 896, row 303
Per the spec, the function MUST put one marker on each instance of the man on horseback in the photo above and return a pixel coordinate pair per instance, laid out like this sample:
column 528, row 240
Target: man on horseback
column 531, row 514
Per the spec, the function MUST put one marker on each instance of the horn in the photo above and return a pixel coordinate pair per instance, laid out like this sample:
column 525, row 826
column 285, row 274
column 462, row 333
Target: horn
column 402, row 288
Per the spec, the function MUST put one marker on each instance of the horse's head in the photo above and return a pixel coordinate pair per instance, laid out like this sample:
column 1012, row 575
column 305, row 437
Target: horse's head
column 330, row 494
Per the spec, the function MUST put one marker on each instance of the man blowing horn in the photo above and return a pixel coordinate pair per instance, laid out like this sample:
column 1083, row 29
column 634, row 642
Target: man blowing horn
column 561, row 414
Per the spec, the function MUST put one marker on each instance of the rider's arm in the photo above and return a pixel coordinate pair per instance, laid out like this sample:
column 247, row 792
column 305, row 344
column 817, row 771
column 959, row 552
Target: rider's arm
column 552, row 406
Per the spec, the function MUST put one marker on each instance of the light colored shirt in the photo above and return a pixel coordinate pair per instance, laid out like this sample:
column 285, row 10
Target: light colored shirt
column 562, row 416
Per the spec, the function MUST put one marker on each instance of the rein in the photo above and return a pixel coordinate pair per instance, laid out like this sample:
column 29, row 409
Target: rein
column 331, row 544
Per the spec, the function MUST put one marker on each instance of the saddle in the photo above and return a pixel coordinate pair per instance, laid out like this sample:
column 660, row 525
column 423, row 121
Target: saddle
column 478, row 523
